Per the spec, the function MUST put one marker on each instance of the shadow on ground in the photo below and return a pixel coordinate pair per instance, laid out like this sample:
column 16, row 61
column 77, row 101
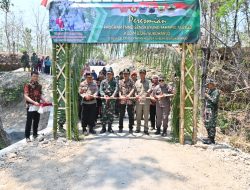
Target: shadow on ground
column 90, row 166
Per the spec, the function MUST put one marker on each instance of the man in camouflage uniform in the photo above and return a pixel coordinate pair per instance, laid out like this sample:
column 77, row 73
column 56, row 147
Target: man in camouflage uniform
column 108, row 90
column 88, row 91
column 34, row 62
column 25, row 59
column 126, row 90
column 211, row 111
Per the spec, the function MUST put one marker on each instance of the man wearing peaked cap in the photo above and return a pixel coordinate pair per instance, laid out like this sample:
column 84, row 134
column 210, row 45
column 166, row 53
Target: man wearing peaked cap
column 160, row 93
column 88, row 90
column 211, row 110
column 142, row 104
column 126, row 90
column 134, row 76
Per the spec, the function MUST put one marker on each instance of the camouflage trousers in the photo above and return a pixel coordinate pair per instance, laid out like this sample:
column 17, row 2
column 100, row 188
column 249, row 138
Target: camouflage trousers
column 108, row 110
column 210, row 124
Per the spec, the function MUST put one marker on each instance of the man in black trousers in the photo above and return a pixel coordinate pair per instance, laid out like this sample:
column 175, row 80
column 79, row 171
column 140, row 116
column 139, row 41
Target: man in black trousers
column 32, row 96
column 88, row 91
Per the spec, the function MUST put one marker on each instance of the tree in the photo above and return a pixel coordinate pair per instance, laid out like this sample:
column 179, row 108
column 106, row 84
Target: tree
column 41, row 30
column 5, row 7
column 27, row 39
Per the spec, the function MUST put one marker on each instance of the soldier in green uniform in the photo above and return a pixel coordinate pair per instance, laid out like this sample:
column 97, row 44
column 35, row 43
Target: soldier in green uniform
column 211, row 110
column 108, row 90
column 34, row 62
column 25, row 59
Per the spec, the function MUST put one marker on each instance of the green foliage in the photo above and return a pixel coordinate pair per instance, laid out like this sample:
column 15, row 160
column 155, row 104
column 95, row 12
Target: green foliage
column 226, row 7
column 10, row 95
column 223, row 123
column 5, row 5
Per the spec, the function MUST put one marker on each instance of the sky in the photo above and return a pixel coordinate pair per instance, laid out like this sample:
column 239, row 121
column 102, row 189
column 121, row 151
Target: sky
column 26, row 7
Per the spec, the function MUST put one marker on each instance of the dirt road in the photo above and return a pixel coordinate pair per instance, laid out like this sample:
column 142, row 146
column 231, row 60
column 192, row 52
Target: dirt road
column 123, row 161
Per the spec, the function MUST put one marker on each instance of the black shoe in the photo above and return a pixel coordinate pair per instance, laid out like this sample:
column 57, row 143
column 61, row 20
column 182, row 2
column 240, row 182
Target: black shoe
column 120, row 130
column 137, row 131
column 103, row 130
column 85, row 132
column 164, row 134
column 158, row 132
column 130, row 131
column 208, row 141
column 110, row 130
column 61, row 130
column 146, row 132
column 92, row 131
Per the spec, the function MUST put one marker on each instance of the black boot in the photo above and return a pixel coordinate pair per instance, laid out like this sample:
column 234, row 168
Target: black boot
column 131, row 129
column 120, row 129
column 92, row 131
column 103, row 129
column 210, row 140
column 84, row 131
column 158, row 131
column 164, row 133
column 110, row 128
column 61, row 129
column 152, row 126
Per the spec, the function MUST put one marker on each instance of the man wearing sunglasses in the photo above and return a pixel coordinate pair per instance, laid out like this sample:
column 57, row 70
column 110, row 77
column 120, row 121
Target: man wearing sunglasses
column 162, row 93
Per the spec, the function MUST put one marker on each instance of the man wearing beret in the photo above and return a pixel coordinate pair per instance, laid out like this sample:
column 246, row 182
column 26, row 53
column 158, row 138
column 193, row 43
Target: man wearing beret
column 211, row 110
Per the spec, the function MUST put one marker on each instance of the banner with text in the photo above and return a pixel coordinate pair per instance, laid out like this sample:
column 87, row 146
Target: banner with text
column 169, row 22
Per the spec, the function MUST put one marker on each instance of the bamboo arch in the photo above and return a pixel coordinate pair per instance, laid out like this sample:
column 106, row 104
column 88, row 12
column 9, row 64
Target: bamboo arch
column 65, row 84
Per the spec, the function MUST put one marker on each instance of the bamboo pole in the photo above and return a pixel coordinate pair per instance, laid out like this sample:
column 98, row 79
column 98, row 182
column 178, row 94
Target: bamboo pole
column 182, row 94
column 67, row 92
column 196, row 95
column 55, row 99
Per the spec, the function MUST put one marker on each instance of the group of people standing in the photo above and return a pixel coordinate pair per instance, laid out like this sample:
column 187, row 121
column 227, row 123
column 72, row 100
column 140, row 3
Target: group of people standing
column 140, row 97
column 35, row 63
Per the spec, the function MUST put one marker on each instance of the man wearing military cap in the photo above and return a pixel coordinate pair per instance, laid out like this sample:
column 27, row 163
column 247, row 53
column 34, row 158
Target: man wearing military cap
column 108, row 90
column 211, row 110
column 142, row 104
column 161, row 95
column 126, row 90
column 88, row 91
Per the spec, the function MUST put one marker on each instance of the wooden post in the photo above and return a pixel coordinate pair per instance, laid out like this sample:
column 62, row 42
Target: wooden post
column 196, row 95
column 182, row 94
column 55, row 99
column 67, row 92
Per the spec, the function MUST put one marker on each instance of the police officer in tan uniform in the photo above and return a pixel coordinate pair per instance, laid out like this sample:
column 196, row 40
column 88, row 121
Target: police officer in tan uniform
column 88, row 91
column 142, row 103
column 161, row 94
